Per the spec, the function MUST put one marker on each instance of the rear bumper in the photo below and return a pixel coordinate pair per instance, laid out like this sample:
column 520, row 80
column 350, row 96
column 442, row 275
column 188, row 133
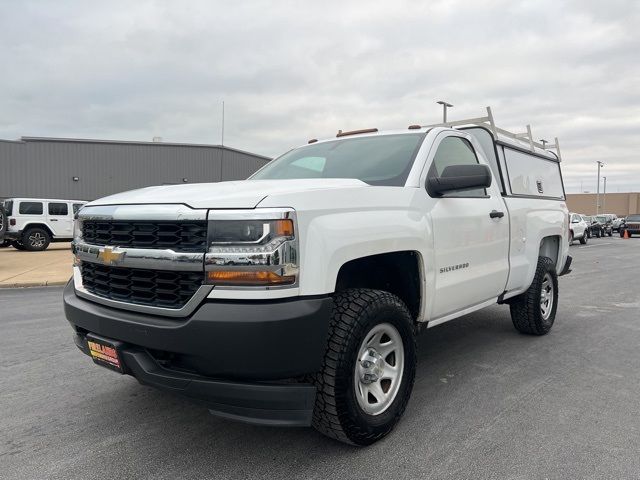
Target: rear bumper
column 237, row 358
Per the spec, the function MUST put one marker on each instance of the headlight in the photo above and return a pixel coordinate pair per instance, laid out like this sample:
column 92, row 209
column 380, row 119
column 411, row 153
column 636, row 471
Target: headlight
column 252, row 248
column 77, row 230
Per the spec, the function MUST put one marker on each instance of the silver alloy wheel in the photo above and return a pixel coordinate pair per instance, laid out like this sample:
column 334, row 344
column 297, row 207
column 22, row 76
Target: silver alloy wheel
column 379, row 369
column 546, row 297
column 36, row 240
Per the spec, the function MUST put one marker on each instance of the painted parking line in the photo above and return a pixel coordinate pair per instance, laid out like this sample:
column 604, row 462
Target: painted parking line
column 597, row 245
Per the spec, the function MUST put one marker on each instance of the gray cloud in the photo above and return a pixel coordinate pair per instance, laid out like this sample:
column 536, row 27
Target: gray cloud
column 134, row 70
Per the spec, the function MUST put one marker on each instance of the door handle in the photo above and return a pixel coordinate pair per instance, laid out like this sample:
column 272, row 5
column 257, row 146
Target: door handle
column 53, row 219
column 496, row 214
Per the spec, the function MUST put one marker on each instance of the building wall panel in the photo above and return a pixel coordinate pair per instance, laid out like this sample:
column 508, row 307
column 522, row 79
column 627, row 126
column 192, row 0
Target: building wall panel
column 46, row 167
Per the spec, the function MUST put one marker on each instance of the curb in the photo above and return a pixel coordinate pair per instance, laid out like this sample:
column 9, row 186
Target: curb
column 53, row 283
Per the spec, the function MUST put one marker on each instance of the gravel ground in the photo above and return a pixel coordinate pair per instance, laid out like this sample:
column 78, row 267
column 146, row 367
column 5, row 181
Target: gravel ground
column 488, row 402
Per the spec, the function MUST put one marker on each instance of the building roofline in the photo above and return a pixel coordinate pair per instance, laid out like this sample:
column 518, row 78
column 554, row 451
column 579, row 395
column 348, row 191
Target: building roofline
column 132, row 142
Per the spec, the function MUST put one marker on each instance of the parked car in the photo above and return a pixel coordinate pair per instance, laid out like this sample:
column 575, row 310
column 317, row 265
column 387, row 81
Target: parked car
column 615, row 224
column 577, row 229
column 293, row 298
column 606, row 224
column 631, row 225
column 593, row 228
column 33, row 223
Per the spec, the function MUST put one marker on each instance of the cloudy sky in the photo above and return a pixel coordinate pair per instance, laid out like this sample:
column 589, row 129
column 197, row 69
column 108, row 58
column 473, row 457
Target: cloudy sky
column 287, row 73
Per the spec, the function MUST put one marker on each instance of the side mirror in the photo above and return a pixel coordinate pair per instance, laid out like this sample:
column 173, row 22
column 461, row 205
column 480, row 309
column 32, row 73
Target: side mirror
column 459, row 177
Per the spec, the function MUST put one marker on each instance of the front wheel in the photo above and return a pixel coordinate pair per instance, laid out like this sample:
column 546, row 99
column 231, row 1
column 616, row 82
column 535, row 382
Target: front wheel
column 369, row 367
column 534, row 311
column 583, row 239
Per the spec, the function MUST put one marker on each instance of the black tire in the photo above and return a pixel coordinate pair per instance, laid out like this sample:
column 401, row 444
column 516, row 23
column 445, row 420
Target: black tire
column 570, row 238
column 17, row 245
column 588, row 233
column 526, row 309
column 337, row 413
column 36, row 239
column 3, row 224
column 621, row 233
column 583, row 239
column 610, row 233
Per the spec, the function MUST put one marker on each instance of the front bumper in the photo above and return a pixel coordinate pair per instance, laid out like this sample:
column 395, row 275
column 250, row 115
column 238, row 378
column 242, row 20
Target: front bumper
column 237, row 358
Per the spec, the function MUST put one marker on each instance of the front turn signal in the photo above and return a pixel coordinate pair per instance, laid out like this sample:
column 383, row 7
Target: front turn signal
column 248, row 278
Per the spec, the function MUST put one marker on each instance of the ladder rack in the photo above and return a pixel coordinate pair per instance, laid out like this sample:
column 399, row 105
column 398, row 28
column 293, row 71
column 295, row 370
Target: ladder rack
column 489, row 123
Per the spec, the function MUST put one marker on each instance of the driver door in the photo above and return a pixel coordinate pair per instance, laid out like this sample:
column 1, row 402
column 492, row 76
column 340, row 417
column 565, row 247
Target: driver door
column 471, row 235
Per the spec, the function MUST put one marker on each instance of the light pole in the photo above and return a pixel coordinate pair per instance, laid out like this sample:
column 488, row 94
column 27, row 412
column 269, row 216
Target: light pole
column 600, row 164
column 604, row 196
column 444, row 109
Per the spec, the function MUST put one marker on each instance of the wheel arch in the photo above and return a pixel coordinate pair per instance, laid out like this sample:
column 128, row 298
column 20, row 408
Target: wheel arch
column 398, row 272
column 44, row 226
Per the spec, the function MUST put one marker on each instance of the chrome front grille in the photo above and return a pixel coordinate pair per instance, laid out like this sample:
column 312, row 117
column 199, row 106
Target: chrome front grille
column 180, row 236
column 157, row 288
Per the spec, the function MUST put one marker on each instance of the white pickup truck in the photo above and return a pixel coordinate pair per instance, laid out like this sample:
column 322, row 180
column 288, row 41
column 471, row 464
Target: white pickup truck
column 294, row 297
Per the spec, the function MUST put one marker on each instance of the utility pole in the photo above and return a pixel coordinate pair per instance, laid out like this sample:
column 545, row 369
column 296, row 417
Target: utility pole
column 222, row 141
column 604, row 196
column 600, row 164
column 444, row 109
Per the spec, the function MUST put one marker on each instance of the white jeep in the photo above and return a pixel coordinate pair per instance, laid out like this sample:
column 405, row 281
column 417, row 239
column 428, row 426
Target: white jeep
column 294, row 297
column 33, row 223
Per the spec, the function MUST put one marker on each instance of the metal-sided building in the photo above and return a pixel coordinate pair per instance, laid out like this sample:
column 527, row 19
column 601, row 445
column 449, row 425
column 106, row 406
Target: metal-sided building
column 80, row 169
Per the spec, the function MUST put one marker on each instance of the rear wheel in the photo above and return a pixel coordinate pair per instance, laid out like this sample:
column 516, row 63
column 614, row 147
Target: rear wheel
column 36, row 239
column 534, row 311
column 369, row 367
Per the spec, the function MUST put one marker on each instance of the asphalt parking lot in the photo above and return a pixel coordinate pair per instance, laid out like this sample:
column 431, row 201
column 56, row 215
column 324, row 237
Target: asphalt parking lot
column 488, row 402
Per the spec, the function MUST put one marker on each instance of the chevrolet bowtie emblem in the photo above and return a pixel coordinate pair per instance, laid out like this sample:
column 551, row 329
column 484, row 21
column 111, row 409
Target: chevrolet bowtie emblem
column 109, row 257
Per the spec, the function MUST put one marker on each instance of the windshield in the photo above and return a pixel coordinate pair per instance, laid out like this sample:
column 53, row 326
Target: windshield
column 601, row 219
column 376, row 160
column 633, row 218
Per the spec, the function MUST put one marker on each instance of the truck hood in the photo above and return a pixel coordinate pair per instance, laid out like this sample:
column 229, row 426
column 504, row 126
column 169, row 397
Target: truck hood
column 236, row 194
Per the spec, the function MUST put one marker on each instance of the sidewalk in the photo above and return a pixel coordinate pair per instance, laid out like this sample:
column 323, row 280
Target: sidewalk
column 34, row 269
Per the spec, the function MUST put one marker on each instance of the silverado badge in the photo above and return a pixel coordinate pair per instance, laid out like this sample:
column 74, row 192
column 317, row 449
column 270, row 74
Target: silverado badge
column 109, row 256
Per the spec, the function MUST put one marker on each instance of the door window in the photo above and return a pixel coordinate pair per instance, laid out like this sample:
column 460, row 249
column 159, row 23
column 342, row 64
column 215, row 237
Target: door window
column 455, row 151
column 58, row 209
column 76, row 207
column 30, row 208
